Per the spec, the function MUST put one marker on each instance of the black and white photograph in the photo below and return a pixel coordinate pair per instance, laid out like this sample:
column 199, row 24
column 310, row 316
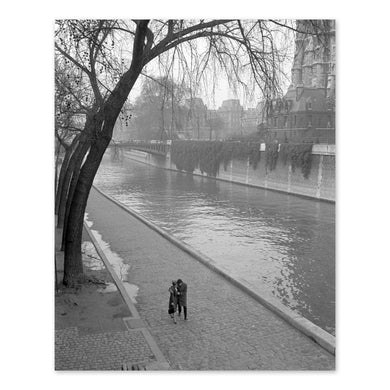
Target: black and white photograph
column 182, row 205
column 195, row 194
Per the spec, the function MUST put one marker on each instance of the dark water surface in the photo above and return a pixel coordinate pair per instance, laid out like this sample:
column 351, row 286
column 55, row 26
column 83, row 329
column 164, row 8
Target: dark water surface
column 282, row 245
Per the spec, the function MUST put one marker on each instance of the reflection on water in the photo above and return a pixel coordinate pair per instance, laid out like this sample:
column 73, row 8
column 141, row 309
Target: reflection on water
column 281, row 244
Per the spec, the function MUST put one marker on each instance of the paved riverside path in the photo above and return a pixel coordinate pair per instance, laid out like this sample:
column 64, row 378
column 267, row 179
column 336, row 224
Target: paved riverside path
column 226, row 328
column 95, row 330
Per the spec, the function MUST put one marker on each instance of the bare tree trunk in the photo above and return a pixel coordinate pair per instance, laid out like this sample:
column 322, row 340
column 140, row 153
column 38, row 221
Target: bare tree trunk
column 57, row 155
column 162, row 120
column 68, row 176
column 64, row 168
column 72, row 187
column 60, row 183
column 73, row 266
column 102, row 126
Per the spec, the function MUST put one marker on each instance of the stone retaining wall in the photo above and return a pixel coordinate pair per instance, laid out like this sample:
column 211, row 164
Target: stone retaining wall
column 320, row 184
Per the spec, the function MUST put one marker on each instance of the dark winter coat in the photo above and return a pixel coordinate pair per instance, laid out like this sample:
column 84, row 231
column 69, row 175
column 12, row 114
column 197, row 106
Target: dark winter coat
column 172, row 305
column 182, row 290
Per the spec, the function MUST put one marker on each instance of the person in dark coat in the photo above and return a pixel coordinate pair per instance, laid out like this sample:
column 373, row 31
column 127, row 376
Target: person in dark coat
column 173, row 296
column 182, row 295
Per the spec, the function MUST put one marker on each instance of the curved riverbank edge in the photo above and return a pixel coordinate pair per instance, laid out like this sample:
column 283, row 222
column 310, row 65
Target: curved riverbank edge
column 314, row 332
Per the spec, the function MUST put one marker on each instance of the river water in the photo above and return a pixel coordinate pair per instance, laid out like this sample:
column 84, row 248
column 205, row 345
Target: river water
column 282, row 245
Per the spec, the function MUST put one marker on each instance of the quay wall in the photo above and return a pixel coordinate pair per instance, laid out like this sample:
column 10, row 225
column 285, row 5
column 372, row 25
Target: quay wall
column 320, row 184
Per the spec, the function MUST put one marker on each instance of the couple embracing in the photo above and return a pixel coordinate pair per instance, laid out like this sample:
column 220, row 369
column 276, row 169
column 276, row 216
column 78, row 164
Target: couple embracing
column 177, row 299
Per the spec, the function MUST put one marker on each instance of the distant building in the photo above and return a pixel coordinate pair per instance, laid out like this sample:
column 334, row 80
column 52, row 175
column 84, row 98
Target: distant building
column 231, row 114
column 250, row 119
column 202, row 123
column 307, row 110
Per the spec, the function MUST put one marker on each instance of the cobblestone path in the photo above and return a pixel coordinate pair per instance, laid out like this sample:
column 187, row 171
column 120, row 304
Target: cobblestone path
column 100, row 351
column 226, row 330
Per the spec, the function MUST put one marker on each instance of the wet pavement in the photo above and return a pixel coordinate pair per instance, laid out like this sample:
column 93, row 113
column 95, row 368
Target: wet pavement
column 226, row 330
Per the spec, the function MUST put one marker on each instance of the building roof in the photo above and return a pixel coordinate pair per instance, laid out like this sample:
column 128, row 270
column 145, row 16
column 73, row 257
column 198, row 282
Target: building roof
column 302, row 98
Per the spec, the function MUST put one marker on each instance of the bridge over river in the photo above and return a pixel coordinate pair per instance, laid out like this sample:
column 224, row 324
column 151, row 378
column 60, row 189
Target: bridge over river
column 153, row 147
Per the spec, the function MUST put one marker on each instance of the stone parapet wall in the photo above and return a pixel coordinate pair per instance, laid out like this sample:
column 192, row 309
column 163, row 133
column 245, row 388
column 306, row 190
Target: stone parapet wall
column 320, row 184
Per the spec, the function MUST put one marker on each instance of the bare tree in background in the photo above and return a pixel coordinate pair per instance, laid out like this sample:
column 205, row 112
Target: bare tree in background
column 157, row 109
column 110, row 55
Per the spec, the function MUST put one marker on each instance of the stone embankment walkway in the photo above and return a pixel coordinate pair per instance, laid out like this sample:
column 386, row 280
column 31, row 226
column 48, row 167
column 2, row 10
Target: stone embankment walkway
column 95, row 328
column 226, row 329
